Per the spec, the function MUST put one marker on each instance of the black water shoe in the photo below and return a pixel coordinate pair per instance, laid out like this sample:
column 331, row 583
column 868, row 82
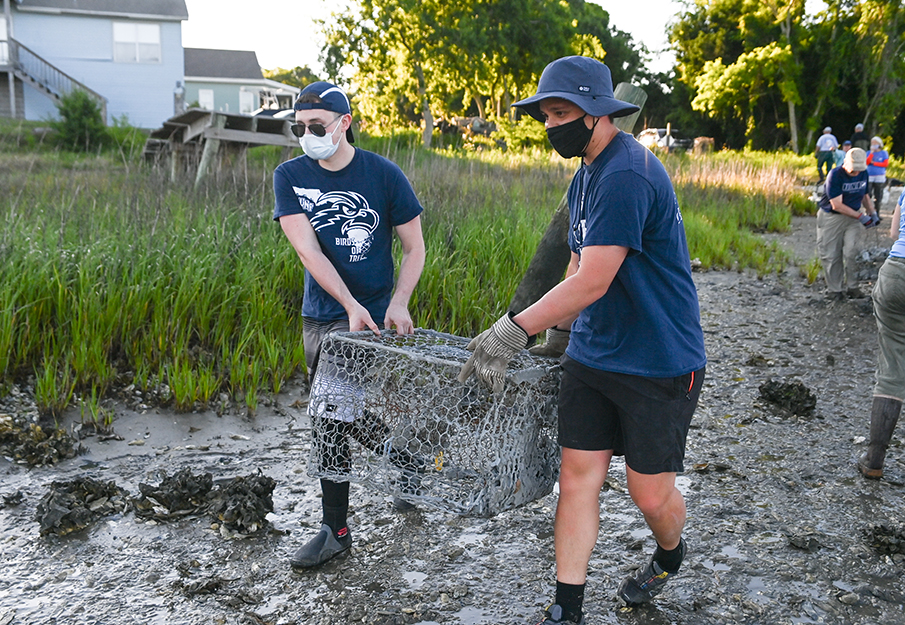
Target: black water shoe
column 324, row 546
column 554, row 614
column 646, row 583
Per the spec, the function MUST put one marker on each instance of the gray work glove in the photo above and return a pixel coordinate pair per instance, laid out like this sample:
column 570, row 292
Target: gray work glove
column 865, row 220
column 555, row 343
column 493, row 349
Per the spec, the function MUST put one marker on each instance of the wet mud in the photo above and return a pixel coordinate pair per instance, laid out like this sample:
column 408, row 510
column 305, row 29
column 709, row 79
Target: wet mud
column 781, row 528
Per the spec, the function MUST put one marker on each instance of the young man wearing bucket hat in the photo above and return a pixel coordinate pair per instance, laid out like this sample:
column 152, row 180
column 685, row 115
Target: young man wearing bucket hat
column 839, row 223
column 628, row 313
column 339, row 207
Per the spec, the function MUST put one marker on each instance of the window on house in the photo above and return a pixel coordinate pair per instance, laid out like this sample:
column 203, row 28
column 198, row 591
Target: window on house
column 4, row 45
column 247, row 101
column 136, row 43
column 206, row 99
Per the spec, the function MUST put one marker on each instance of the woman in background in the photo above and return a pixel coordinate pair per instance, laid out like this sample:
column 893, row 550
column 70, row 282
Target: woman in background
column 877, row 160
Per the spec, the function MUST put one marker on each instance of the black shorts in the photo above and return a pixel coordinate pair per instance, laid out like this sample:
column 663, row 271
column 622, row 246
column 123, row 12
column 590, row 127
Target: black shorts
column 644, row 419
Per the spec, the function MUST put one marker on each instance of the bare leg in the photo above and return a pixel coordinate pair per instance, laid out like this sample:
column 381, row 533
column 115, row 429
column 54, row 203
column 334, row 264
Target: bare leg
column 581, row 477
column 661, row 503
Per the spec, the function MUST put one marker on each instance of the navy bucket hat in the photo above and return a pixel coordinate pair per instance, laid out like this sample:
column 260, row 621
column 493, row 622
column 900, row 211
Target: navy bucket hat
column 333, row 99
column 583, row 81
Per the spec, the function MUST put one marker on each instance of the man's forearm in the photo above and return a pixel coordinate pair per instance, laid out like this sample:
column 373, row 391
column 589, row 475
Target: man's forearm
column 409, row 273
column 325, row 274
column 303, row 240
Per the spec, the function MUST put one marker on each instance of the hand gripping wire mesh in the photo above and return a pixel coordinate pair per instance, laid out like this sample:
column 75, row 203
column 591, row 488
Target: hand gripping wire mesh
column 388, row 411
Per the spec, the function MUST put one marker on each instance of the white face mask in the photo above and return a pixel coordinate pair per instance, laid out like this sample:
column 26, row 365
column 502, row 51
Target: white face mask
column 320, row 148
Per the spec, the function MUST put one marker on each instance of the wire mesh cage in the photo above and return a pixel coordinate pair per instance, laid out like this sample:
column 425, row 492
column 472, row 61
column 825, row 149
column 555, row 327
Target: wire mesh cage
column 388, row 411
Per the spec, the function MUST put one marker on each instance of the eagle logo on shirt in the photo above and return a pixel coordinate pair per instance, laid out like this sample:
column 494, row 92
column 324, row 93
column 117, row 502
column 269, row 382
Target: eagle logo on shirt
column 357, row 221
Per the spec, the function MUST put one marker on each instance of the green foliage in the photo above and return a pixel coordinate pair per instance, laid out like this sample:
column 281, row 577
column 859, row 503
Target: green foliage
column 81, row 126
column 297, row 76
column 596, row 37
column 811, row 270
column 20, row 136
column 523, row 134
column 734, row 90
column 416, row 60
column 130, row 277
column 726, row 198
column 773, row 72
column 127, row 139
column 116, row 274
column 124, row 141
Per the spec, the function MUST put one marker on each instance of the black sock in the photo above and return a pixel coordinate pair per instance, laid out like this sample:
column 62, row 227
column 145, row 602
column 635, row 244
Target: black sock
column 335, row 505
column 570, row 597
column 669, row 559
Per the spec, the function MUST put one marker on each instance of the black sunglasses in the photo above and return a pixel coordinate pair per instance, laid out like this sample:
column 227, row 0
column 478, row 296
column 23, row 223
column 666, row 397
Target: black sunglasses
column 318, row 130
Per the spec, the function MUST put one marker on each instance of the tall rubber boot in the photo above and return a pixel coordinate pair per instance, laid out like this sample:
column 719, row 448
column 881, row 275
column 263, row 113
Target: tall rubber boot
column 883, row 418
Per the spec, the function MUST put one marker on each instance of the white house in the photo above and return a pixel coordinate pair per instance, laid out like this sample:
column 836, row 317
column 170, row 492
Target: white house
column 128, row 55
column 230, row 81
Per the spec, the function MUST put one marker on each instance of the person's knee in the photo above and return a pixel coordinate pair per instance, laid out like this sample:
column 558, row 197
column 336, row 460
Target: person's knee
column 654, row 503
column 581, row 470
column 654, row 494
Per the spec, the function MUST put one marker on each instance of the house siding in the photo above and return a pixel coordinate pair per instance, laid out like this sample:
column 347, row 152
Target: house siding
column 226, row 95
column 82, row 47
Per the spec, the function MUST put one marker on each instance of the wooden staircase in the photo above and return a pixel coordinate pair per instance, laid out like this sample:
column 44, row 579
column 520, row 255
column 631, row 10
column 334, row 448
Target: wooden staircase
column 43, row 76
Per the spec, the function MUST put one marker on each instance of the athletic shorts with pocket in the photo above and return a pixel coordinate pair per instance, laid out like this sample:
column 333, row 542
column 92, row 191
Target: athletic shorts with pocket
column 644, row 419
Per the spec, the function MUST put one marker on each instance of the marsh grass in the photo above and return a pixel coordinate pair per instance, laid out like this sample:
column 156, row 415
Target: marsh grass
column 811, row 270
column 118, row 275
column 113, row 274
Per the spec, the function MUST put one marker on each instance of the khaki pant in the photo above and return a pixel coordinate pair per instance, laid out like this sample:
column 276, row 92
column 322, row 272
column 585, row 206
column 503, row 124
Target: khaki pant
column 313, row 334
column 838, row 240
column 889, row 311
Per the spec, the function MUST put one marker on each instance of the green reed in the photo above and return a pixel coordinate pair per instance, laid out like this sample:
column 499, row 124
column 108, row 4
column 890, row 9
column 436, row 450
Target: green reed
column 123, row 276
column 114, row 274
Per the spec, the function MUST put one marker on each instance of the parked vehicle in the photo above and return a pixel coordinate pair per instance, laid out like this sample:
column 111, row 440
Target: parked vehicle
column 662, row 138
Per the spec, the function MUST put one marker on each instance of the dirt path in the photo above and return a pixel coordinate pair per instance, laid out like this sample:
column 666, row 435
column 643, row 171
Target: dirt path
column 780, row 527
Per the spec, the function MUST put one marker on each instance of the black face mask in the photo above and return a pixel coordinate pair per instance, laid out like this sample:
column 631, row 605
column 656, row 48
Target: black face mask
column 571, row 139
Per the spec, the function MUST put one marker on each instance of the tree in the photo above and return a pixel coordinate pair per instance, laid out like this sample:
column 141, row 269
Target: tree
column 881, row 29
column 706, row 31
column 736, row 89
column 592, row 24
column 299, row 76
column 787, row 14
column 844, row 63
column 412, row 60
column 393, row 46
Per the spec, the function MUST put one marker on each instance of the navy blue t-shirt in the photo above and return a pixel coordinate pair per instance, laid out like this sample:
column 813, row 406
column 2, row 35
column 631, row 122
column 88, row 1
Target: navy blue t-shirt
column 648, row 323
column 353, row 212
column 852, row 188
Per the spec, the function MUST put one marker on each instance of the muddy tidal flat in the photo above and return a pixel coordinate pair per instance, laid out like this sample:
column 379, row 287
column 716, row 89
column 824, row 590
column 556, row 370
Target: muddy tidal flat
column 781, row 528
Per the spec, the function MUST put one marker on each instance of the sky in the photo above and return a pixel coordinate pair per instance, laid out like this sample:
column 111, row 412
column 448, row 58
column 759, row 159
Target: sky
column 283, row 32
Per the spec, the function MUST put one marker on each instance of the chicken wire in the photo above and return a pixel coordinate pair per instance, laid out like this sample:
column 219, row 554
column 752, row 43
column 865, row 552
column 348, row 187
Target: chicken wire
column 388, row 411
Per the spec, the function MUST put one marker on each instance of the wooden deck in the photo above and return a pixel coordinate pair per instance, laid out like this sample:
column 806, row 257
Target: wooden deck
column 201, row 138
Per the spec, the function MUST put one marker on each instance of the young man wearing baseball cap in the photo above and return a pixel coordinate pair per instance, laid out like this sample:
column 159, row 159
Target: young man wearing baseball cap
column 339, row 207
column 627, row 316
column 839, row 223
